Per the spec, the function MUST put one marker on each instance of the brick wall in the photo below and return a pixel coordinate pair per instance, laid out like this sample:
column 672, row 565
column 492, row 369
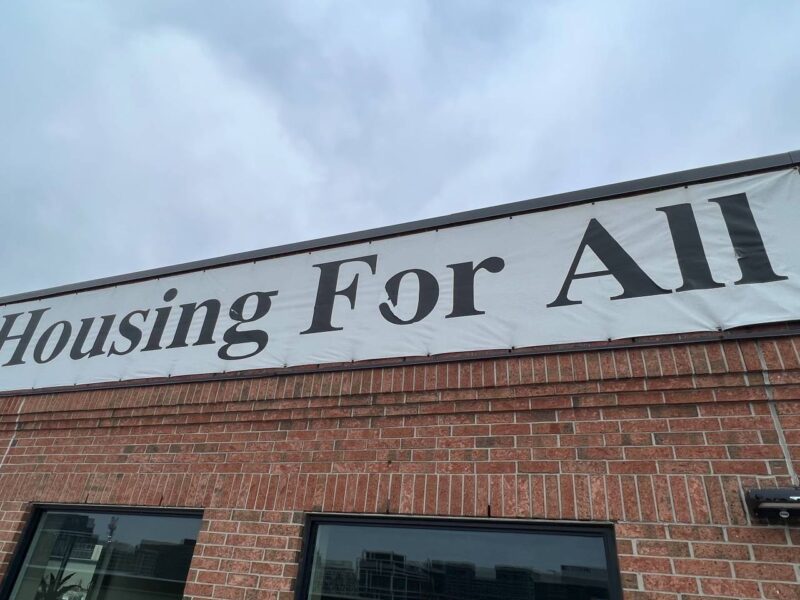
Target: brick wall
column 661, row 441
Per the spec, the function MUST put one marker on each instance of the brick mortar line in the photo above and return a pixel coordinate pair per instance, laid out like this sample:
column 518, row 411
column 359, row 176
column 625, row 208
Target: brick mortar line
column 369, row 399
column 42, row 432
column 124, row 421
column 156, row 390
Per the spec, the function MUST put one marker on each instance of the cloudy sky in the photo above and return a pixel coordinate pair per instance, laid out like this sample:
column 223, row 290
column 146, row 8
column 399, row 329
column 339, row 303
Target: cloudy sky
column 143, row 134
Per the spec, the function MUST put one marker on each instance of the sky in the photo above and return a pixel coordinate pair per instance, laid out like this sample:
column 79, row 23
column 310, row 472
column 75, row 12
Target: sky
column 143, row 134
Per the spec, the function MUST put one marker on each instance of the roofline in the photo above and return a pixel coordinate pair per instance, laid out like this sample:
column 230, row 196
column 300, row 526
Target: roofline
column 604, row 192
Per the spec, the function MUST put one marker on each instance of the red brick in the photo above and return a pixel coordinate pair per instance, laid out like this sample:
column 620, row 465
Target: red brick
column 670, row 583
column 663, row 548
column 781, row 591
column 765, row 571
column 730, row 587
column 642, row 564
column 707, row 568
column 789, row 554
column 757, row 535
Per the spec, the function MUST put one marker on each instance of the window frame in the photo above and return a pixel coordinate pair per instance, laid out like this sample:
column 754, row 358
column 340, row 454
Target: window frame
column 37, row 510
column 604, row 530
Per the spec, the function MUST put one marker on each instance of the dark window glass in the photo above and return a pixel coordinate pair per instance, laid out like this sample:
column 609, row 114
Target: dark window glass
column 77, row 555
column 446, row 561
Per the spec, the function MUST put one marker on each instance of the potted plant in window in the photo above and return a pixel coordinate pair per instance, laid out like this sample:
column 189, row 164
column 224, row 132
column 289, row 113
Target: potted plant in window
column 54, row 587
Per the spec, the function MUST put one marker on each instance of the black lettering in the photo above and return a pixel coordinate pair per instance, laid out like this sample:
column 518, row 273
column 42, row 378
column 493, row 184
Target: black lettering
column 130, row 332
column 689, row 249
column 253, row 336
column 746, row 239
column 428, row 296
column 327, row 292
column 206, row 336
column 77, row 352
column 619, row 264
column 63, row 338
column 24, row 338
column 464, row 285
column 162, row 316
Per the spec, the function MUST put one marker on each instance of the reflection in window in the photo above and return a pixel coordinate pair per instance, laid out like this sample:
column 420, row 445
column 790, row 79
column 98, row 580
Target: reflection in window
column 376, row 561
column 107, row 556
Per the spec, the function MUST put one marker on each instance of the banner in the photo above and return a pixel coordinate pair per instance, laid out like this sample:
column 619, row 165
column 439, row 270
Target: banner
column 699, row 258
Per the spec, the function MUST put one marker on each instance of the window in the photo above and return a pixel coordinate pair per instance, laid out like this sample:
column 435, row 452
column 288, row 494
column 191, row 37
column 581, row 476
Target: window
column 352, row 558
column 86, row 554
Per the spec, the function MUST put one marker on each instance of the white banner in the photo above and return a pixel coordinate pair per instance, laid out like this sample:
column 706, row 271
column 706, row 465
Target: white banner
column 700, row 258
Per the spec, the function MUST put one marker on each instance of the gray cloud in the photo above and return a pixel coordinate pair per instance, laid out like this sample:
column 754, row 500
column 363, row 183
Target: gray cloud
column 143, row 134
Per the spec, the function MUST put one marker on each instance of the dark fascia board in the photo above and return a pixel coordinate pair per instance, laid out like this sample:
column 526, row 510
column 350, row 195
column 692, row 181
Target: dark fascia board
column 603, row 192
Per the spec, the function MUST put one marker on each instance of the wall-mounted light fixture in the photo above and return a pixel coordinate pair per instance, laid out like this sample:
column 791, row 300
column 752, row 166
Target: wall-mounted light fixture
column 774, row 503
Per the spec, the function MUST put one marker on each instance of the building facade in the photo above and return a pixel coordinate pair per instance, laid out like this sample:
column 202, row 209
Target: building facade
column 605, row 468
